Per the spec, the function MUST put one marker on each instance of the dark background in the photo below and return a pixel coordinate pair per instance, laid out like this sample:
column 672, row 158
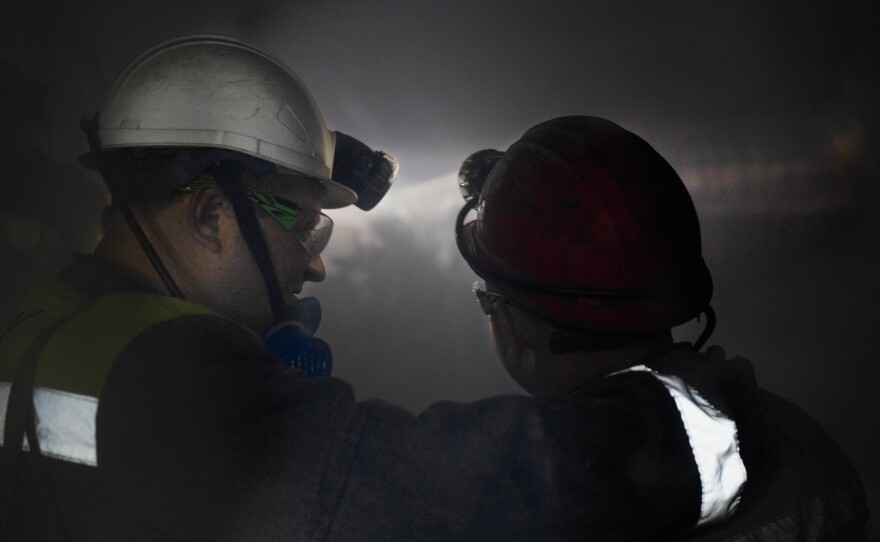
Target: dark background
column 769, row 110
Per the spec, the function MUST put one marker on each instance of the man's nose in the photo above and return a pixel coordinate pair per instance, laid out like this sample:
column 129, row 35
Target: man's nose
column 315, row 271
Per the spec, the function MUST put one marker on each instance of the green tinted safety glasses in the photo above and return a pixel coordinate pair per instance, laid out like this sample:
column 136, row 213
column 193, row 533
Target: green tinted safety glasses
column 313, row 228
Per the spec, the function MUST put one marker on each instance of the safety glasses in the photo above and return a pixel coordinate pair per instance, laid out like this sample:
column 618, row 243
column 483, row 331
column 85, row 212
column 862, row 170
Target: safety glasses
column 313, row 227
column 487, row 300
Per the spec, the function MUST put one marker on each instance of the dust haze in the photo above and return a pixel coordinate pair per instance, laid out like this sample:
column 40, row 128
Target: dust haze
column 768, row 110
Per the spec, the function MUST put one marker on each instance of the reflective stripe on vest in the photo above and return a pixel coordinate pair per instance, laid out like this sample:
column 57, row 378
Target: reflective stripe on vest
column 65, row 424
column 72, row 368
column 714, row 443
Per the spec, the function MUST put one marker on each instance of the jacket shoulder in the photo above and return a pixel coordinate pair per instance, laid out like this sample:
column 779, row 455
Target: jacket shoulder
column 79, row 355
column 810, row 490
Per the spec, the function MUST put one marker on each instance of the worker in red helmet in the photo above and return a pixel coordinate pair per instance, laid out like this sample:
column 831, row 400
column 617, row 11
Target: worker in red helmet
column 589, row 249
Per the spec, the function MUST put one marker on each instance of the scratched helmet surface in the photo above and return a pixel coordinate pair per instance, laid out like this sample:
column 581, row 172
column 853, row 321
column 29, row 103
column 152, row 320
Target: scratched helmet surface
column 215, row 92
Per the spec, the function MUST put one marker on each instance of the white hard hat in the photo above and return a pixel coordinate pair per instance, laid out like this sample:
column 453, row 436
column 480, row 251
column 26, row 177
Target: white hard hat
column 216, row 92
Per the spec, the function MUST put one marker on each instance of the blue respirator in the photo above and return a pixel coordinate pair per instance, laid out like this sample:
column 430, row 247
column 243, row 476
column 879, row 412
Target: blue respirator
column 294, row 343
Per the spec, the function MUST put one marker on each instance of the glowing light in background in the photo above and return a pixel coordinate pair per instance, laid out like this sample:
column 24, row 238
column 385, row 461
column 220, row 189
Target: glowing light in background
column 425, row 210
column 766, row 116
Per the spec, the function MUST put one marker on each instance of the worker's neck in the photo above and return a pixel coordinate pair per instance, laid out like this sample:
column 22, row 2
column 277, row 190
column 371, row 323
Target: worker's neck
column 120, row 249
column 618, row 359
column 577, row 369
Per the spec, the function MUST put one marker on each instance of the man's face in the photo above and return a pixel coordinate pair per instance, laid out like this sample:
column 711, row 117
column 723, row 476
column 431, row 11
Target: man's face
column 288, row 210
column 291, row 251
column 291, row 237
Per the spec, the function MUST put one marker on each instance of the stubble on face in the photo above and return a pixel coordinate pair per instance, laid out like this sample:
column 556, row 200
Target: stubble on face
column 247, row 295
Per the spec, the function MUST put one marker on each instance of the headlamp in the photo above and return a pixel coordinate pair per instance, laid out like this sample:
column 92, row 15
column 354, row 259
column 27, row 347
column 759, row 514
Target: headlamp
column 473, row 172
column 369, row 173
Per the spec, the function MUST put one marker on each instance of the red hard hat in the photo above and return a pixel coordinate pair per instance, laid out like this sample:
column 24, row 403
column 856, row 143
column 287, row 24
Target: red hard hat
column 586, row 224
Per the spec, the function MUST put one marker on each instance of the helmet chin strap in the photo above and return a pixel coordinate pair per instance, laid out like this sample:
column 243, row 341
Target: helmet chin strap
column 90, row 127
column 707, row 331
column 228, row 174
column 291, row 342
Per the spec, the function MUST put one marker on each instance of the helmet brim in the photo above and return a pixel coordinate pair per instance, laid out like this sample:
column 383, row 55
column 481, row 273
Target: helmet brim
column 628, row 313
column 334, row 196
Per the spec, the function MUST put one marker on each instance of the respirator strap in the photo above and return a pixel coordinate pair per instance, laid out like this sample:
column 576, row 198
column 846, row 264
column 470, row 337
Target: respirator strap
column 228, row 175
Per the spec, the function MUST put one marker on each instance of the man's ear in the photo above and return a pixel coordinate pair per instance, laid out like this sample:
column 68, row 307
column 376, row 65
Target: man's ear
column 210, row 217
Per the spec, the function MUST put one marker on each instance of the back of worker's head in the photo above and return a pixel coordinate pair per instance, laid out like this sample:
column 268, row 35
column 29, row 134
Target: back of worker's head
column 582, row 223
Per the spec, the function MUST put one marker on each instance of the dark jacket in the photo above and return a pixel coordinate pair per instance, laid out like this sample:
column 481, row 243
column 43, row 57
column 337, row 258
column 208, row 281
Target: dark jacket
column 159, row 420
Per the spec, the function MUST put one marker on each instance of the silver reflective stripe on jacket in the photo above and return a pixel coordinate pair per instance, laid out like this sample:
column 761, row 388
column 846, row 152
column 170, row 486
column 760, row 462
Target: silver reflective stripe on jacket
column 713, row 440
column 5, row 388
column 65, row 424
